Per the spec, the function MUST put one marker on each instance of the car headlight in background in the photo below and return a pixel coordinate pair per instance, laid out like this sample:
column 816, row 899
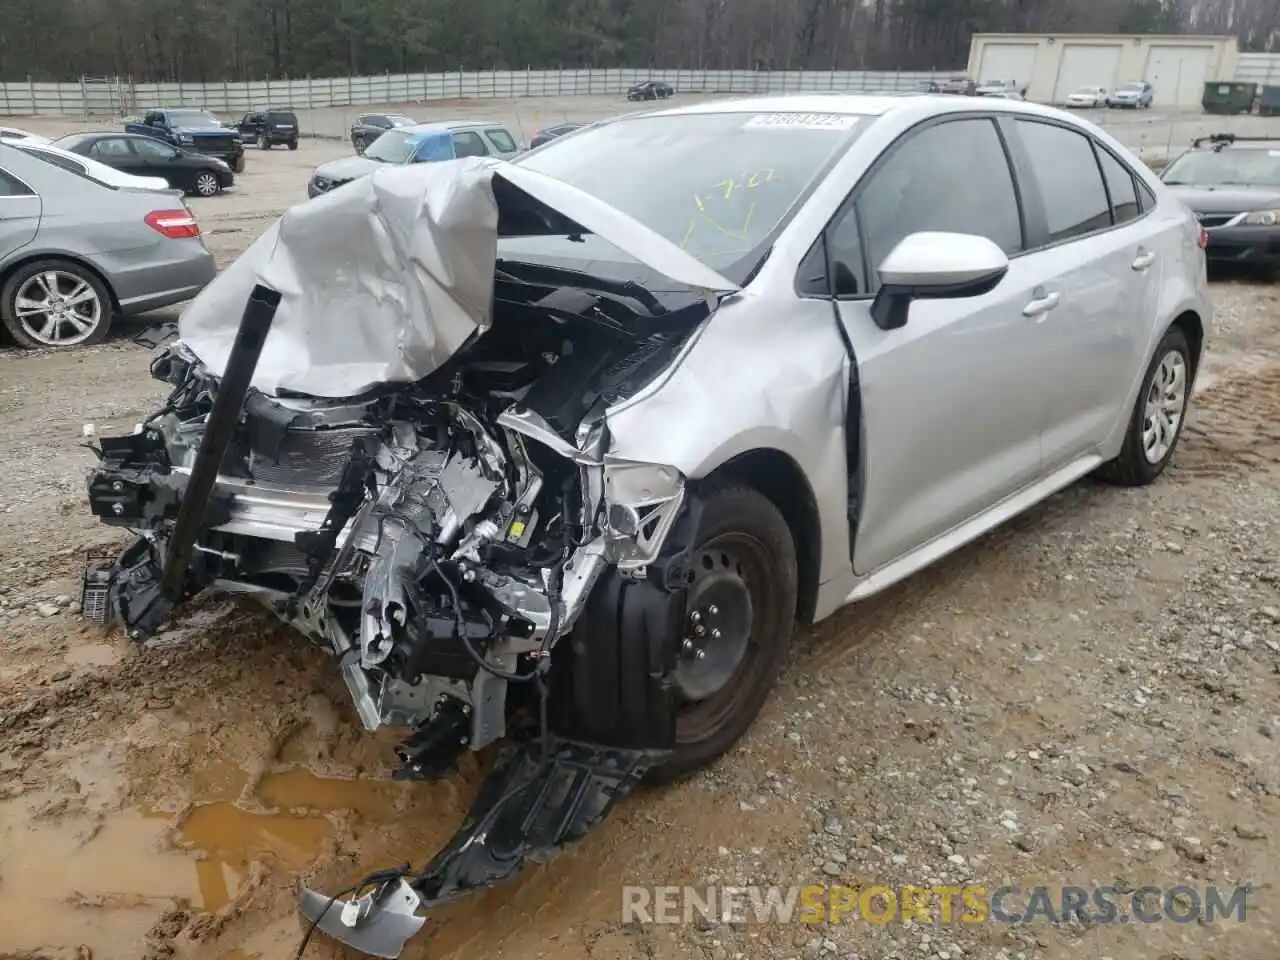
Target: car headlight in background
column 1262, row 218
column 185, row 139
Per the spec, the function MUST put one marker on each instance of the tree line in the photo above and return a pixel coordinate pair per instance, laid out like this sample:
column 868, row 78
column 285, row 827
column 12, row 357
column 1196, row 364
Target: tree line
column 215, row 40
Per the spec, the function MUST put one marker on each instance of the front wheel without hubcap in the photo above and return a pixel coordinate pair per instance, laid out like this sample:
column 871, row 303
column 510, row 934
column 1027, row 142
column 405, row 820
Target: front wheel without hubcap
column 1158, row 416
column 207, row 183
column 55, row 304
column 741, row 606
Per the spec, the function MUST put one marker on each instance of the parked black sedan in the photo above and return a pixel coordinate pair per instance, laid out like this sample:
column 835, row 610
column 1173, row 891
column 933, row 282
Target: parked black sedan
column 148, row 157
column 650, row 90
column 370, row 126
column 547, row 134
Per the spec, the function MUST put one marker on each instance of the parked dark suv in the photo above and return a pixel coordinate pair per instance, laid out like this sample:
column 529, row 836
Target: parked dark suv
column 269, row 127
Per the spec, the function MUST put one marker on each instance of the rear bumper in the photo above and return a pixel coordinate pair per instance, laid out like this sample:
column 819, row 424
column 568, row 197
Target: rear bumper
column 1244, row 245
column 181, row 269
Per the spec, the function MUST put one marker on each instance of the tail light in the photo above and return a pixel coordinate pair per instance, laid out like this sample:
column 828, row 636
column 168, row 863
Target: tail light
column 1204, row 239
column 174, row 224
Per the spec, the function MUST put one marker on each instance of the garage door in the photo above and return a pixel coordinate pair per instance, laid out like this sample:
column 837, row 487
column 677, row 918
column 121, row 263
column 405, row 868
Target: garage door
column 1007, row 61
column 1086, row 65
column 1178, row 75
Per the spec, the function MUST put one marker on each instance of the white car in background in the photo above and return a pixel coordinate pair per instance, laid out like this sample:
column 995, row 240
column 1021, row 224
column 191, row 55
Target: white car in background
column 1087, row 97
column 88, row 167
column 14, row 135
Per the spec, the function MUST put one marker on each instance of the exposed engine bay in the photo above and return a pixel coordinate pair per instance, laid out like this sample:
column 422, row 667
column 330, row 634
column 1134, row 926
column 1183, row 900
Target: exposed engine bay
column 437, row 537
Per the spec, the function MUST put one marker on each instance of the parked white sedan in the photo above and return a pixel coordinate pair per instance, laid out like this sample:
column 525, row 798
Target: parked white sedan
column 12, row 135
column 88, row 167
column 1087, row 97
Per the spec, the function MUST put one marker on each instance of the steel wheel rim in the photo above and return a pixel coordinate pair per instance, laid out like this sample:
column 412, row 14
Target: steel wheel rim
column 730, row 574
column 1166, row 404
column 206, row 184
column 53, row 302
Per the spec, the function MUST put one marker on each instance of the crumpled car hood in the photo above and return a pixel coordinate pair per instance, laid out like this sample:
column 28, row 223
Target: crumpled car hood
column 384, row 279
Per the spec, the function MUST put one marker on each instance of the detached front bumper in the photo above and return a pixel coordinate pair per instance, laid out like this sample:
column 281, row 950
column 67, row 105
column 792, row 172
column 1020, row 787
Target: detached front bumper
column 538, row 797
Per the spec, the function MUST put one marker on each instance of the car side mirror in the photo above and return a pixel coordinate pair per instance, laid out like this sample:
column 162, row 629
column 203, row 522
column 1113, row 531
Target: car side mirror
column 935, row 266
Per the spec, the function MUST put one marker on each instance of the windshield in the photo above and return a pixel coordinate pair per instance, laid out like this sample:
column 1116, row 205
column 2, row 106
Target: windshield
column 399, row 121
column 394, row 146
column 1130, row 88
column 715, row 185
column 1213, row 168
column 193, row 118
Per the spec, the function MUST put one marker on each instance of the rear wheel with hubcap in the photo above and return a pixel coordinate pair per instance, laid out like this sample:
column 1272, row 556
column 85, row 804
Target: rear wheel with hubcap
column 206, row 184
column 55, row 303
column 359, row 143
column 1158, row 415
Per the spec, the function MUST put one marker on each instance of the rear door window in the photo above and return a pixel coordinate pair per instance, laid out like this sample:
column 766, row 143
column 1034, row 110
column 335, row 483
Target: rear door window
column 112, row 148
column 1075, row 200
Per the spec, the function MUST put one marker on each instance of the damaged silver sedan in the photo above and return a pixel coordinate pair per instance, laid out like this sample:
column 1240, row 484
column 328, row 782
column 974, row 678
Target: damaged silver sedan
column 545, row 457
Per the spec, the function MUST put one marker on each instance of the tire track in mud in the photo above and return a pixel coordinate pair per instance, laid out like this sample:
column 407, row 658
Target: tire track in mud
column 1234, row 425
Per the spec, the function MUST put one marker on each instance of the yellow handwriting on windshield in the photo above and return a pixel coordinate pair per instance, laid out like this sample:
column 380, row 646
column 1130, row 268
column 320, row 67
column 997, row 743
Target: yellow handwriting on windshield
column 727, row 210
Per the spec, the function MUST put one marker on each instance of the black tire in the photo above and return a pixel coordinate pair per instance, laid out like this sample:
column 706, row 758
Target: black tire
column 238, row 165
column 293, row 144
column 16, row 281
column 264, row 143
column 1133, row 467
column 360, row 144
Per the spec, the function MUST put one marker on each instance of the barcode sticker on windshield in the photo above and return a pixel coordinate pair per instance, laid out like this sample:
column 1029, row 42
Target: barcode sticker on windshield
column 800, row 121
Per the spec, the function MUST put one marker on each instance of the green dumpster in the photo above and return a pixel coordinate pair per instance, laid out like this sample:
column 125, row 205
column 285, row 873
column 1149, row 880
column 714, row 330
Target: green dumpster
column 1269, row 101
column 1224, row 96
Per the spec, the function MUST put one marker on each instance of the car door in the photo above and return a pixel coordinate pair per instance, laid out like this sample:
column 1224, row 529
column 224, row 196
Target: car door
column 1101, row 263
column 118, row 152
column 155, row 159
column 952, row 405
column 19, row 214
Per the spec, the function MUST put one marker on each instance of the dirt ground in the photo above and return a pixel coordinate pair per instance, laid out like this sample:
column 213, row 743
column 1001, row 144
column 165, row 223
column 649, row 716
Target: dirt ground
column 1090, row 695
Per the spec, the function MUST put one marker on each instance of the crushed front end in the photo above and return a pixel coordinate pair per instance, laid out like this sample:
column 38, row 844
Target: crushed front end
column 438, row 538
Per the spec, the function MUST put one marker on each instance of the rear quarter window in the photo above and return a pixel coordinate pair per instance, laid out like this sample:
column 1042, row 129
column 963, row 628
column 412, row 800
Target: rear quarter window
column 501, row 139
column 11, row 186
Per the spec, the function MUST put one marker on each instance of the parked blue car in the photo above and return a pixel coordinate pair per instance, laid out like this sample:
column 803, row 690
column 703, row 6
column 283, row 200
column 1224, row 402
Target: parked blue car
column 1136, row 96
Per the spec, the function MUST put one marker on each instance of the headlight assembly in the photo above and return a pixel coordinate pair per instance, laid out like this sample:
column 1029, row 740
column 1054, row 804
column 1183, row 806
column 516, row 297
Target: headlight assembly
column 1262, row 218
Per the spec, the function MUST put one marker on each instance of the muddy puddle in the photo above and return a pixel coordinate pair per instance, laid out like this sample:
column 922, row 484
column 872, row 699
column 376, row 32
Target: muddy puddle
column 79, row 869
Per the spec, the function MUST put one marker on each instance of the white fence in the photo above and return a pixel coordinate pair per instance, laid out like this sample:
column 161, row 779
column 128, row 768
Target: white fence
column 1263, row 68
column 116, row 97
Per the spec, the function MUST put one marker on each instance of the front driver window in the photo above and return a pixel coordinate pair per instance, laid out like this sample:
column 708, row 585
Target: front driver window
column 951, row 177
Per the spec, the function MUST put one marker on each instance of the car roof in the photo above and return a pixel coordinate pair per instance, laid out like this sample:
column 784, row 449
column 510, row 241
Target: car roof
column 856, row 104
column 443, row 126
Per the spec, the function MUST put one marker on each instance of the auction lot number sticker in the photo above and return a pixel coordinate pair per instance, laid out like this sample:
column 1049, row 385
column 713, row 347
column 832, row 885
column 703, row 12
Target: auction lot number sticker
column 801, row 121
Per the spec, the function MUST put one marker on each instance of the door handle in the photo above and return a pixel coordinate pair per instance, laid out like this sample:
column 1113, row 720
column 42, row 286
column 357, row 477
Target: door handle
column 1041, row 305
column 1143, row 260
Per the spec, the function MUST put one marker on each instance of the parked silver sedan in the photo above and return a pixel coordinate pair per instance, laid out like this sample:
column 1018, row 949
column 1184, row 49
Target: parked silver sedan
column 523, row 419
column 75, row 252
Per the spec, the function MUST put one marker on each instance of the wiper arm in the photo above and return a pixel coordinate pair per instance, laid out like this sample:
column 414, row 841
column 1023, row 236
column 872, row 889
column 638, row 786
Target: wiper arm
column 585, row 281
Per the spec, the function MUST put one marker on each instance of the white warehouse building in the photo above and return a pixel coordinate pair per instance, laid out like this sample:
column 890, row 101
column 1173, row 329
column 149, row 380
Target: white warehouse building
column 1054, row 65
